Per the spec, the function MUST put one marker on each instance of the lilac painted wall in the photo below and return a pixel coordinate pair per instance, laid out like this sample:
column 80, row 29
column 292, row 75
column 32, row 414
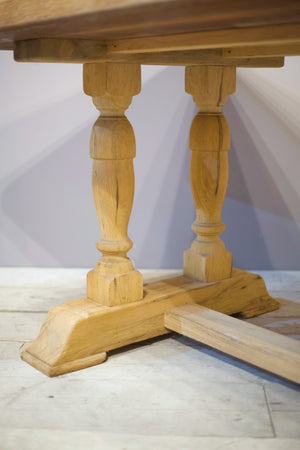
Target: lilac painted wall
column 47, row 215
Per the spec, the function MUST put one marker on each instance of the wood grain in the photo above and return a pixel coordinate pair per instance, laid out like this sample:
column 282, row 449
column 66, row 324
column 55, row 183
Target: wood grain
column 83, row 328
column 264, row 51
column 103, row 19
column 263, row 348
column 112, row 147
column 208, row 259
column 88, row 51
column 283, row 34
column 60, row 50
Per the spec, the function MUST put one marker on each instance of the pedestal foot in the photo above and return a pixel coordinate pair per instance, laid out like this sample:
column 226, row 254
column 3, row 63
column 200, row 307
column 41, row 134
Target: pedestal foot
column 78, row 334
column 60, row 369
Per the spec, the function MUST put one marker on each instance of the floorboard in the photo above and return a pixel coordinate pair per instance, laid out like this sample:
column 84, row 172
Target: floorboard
column 166, row 393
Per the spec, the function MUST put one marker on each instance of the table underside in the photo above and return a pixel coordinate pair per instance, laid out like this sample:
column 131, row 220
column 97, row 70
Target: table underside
column 179, row 32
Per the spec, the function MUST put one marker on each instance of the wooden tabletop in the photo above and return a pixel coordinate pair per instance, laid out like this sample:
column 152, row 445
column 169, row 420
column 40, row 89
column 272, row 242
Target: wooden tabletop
column 124, row 19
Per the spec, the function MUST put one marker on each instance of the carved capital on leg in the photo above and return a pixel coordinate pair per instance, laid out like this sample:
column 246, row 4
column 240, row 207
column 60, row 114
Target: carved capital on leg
column 112, row 147
column 208, row 260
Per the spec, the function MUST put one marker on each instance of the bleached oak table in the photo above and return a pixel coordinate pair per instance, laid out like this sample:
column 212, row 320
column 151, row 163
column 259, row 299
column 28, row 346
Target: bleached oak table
column 112, row 39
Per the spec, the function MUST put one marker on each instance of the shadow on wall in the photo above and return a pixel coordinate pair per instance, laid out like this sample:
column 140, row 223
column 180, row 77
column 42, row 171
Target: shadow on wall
column 51, row 202
column 163, row 206
column 261, row 210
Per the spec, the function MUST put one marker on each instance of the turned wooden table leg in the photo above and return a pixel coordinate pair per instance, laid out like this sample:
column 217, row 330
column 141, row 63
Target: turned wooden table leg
column 78, row 333
column 114, row 280
column 208, row 259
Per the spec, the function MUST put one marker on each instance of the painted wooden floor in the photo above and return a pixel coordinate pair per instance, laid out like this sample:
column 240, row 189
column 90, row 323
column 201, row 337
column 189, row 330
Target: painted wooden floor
column 169, row 393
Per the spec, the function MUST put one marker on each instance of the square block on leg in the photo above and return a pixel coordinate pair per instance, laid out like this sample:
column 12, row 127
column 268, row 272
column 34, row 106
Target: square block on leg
column 114, row 290
column 207, row 267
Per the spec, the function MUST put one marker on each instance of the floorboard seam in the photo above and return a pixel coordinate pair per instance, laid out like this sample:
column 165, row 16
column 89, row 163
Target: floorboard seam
column 270, row 411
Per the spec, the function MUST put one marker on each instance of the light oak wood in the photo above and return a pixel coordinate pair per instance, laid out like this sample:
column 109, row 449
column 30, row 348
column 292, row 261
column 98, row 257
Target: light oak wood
column 99, row 34
column 60, row 50
column 84, row 51
column 60, row 369
column 208, row 259
column 263, row 348
column 82, row 330
column 119, row 19
column 270, row 50
column 195, row 57
column 283, row 34
column 112, row 146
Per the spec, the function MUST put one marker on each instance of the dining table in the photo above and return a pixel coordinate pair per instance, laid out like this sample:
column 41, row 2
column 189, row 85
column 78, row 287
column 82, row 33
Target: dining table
column 112, row 39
